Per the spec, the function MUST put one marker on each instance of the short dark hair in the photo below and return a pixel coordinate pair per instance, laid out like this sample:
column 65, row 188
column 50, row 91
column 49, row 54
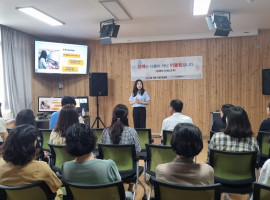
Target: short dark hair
column 67, row 100
column 187, row 140
column 19, row 147
column 238, row 123
column 68, row 116
column 225, row 108
column 80, row 140
column 177, row 105
column 25, row 116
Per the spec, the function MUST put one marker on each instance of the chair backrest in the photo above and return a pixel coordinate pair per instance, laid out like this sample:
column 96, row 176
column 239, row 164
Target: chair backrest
column 158, row 154
column 98, row 132
column 233, row 167
column 170, row 191
column 211, row 134
column 60, row 155
column 264, row 143
column 38, row 190
column 112, row 191
column 145, row 137
column 8, row 129
column 261, row 192
column 45, row 136
column 167, row 136
column 124, row 156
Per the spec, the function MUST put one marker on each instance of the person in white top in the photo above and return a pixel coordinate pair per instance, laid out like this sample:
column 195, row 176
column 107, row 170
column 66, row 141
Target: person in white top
column 3, row 130
column 264, row 177
column 176, row 117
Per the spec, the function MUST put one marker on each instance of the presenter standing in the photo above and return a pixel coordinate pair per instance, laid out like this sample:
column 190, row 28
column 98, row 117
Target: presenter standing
column 139, row 100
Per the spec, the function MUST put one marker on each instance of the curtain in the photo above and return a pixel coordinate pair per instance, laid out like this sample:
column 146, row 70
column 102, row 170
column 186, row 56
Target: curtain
column 17, row 68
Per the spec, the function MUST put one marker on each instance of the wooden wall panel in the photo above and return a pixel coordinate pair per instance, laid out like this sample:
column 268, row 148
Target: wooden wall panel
column 232, row 70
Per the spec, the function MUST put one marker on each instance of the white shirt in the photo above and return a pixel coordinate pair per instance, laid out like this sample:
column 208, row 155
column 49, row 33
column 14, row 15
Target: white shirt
column 264, row 177
column 265, row 173
column 176, row 118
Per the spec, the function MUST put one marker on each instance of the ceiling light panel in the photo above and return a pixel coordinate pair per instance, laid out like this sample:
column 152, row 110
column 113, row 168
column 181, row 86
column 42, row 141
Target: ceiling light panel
column 201, row 7
column 33, row 12
column 116, row 10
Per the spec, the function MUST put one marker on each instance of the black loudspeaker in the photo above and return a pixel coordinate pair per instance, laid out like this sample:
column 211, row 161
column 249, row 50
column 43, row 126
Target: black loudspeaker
column 107, row 31
column 266, row 81
column 98, row 84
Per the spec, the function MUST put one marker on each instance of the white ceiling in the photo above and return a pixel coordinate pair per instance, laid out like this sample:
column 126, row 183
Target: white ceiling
column 151, row 19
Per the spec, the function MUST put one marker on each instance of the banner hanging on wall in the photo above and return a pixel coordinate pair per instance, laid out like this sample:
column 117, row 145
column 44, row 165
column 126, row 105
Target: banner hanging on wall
column 167, row 68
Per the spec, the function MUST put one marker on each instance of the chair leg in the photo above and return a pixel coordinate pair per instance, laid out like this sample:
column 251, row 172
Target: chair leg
column 150, row 192
column 134, row 191
column 144, row 172
column 258, row 173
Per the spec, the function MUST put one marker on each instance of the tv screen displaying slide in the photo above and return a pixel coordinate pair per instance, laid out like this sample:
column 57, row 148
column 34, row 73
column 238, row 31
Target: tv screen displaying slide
column 60, row 58
column 49, row 104
column 82, row 102
column 52, row 104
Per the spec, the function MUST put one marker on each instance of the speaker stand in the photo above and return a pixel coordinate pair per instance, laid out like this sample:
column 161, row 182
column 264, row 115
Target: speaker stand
column 98, row 118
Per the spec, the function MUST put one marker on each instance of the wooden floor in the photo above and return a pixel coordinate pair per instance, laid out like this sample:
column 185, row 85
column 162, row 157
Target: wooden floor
column 201, row 158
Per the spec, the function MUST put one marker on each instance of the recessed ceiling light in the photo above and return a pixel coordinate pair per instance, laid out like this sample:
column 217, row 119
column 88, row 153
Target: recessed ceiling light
column 201, row 7
column 33, row 12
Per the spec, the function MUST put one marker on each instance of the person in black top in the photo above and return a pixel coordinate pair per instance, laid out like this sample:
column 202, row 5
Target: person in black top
column 220, row 124
column 265, row 125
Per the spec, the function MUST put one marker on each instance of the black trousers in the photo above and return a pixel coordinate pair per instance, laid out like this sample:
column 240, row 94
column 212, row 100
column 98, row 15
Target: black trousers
column 139, row 117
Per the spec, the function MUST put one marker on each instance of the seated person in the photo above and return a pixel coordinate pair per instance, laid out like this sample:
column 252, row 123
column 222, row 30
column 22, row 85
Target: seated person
column 186, row 142
column 237, row 136
column 176, row 117
column 64, row 101
column 85, row 169
column 3, row 130
column 220, row 124
column 264, row 177
column 67, row 117
column 25, row 116
column 265, row 126
column 119, row 132
column 18, row 164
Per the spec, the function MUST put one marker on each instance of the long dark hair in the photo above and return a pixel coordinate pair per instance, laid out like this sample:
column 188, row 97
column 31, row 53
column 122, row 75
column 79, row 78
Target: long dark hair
column 238, row 123
column 67, row 117
column 135, row 89
column 43, row 54
column 119, row 120
column 225, row 109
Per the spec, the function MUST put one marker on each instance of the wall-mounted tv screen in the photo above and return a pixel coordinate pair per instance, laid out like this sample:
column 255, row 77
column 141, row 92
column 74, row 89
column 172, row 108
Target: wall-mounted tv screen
column 52, row 104
column 60, row 58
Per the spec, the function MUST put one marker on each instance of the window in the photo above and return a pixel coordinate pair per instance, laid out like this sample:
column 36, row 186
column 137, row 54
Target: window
column 5, row 112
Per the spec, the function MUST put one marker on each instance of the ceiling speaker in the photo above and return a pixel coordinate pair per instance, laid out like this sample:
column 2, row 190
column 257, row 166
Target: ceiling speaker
column 219, row 22
column 108, row 29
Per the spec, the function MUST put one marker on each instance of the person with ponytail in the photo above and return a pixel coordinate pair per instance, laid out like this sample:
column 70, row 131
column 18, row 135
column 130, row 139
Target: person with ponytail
column 119, row 132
